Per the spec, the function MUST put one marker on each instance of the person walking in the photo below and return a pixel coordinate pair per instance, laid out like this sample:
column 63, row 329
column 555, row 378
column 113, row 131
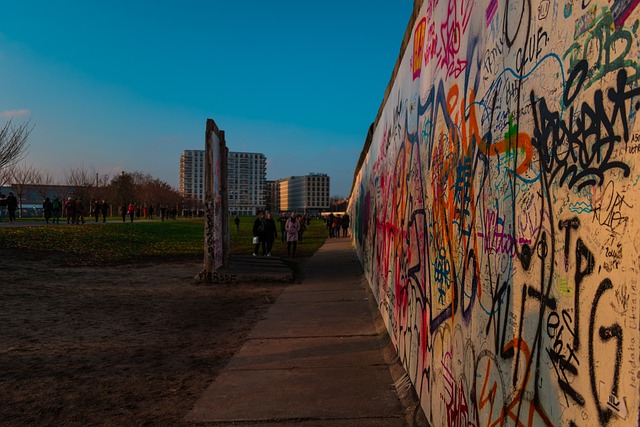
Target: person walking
column 104, row 210
column 123, row 212
column 96, row 210
column 293, row 227
column 345, row 225
column 3, row 204
column 337, row 225
column 259, row 234
column 56, row 210
column 12, row 205
column 271, row 233
column 79, row 210
column 236, row 221
column 330, row 219
column 47, row 209
column 283, row 222
column 302, row 220
column 132, row 211
column 70, row 210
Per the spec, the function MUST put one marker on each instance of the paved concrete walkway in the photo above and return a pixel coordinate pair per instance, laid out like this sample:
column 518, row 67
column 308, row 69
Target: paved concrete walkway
column 320, row 357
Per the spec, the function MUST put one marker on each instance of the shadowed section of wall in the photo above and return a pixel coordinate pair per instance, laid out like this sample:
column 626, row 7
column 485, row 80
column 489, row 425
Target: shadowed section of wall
column 493, row 211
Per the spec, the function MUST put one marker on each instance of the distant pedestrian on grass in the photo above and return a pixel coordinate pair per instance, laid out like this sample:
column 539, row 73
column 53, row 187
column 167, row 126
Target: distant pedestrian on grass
column 47, row 209
column 3, row 204
column 70, row 210
column 12, row 205
column 293, row 228
column 123, row 212
column 132, row 211
column 79, row 210
column 271, row 234
column 236, row 221
column 283, row 230
column 104, row 210
column 56, row 211
column 259, row 232
column 96, row 210
column 303, row 227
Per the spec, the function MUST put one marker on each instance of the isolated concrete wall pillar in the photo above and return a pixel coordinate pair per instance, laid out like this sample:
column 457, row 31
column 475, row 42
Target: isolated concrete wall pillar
column 216, row 226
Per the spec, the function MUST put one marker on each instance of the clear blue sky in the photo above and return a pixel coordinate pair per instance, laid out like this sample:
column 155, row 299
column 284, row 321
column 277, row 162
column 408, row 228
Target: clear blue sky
column 128, row 85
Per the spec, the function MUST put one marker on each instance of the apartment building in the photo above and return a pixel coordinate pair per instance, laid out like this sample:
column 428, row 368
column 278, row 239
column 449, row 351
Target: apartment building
column 246, row 180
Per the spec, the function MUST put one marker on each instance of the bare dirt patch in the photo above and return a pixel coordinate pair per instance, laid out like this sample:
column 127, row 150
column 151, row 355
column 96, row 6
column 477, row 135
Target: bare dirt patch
column 131, row 344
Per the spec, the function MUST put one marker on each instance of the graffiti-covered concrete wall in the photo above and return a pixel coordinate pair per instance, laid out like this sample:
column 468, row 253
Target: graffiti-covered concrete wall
column 497, row 211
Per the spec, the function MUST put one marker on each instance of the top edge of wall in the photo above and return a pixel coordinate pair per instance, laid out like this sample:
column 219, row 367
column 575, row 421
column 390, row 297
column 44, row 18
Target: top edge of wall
column 417, row 5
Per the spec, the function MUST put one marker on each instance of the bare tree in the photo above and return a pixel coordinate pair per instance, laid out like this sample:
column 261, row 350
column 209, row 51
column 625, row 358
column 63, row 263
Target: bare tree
column 338, row 203
column 82, row 184
column 122, row 189
column 6, row 174
column 13, row 143
column 23, row 179
column 42, row 182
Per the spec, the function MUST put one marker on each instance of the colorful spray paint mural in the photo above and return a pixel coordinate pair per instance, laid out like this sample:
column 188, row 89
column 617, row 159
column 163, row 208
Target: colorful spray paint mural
column 497, row 211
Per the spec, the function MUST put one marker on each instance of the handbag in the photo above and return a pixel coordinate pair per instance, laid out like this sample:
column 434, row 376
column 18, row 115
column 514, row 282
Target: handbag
column 256, row 240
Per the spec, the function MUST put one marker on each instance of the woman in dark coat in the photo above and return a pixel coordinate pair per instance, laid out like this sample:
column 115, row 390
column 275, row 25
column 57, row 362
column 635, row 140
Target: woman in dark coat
column 260, row 231
column 47, row 209
column 271, row 233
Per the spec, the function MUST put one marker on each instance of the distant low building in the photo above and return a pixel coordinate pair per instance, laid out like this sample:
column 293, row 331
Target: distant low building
column 303, row 194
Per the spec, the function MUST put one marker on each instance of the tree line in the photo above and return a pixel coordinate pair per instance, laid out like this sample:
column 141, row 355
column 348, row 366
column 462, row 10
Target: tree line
column 124, row 188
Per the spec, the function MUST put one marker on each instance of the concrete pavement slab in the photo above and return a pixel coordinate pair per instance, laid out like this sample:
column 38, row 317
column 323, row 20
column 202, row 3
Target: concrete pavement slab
column 331, row 295
column 319, row 352
column 290, row 394
column 314, row 319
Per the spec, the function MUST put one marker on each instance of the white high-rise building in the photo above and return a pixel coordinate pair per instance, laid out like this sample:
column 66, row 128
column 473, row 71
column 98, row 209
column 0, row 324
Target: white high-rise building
column 246, row 180
column 192, row 175
column 247, row 185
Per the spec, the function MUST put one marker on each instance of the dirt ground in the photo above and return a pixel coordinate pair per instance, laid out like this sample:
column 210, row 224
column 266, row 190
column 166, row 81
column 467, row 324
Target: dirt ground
column 114, row 345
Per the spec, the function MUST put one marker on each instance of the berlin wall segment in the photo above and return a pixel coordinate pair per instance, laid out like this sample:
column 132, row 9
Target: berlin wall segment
column 495, row 211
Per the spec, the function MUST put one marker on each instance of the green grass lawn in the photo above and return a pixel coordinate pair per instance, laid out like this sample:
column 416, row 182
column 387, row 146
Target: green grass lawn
column 119, row 242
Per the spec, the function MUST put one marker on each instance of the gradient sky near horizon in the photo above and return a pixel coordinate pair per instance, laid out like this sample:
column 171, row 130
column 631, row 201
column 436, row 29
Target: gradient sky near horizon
column 128, row 85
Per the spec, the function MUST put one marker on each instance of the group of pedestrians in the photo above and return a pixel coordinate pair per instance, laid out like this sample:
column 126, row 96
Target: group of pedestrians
column 100, row 208
column 132, row 211
column 265, row 232
column 52, row 210
column 338, row 225
column 74, row 210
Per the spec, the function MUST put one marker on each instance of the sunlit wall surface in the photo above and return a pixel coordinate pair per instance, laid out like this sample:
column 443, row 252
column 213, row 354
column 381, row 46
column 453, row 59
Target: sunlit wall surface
column 496, row 212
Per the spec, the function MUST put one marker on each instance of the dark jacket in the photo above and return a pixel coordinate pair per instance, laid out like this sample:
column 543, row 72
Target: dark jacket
column 260, row 227
column 271, row 232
